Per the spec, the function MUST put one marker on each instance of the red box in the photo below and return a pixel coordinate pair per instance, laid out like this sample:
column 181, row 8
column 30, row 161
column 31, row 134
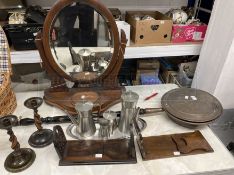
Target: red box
column 185, row 33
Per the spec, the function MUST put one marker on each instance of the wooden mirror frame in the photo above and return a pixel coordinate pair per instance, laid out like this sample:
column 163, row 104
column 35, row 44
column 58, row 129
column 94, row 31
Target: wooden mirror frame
column 50, row 20
column 106, row 86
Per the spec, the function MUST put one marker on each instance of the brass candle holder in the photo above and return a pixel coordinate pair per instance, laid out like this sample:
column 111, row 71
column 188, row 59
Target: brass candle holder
column 21, row 158
column 41, row 137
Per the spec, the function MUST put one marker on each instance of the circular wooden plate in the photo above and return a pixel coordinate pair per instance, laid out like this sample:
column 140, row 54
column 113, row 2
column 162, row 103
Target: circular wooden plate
column 89, row 96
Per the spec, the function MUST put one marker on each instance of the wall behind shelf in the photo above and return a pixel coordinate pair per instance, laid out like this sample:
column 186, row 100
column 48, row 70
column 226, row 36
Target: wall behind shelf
column 215, row 71
column 161, row 5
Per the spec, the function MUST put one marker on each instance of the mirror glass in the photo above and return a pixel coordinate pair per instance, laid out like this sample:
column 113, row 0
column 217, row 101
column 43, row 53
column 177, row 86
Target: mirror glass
column 81, row 41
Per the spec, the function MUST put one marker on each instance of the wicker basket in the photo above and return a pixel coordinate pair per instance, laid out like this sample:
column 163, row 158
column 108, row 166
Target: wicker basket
column 7, row 96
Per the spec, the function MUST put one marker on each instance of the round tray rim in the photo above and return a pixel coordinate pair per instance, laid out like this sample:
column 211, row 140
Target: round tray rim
column 179, row 115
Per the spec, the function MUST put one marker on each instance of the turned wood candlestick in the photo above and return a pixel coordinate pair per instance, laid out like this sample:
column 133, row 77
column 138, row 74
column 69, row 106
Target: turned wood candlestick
column 21, row 158
column 41, row 137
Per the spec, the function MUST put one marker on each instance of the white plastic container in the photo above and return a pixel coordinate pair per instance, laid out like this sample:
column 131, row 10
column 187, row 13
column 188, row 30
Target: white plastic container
column 126, row 28
column 186, row 73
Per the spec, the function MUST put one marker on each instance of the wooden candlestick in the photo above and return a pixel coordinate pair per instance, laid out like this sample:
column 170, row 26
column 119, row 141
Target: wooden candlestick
column 41, row 137
column 21, row 158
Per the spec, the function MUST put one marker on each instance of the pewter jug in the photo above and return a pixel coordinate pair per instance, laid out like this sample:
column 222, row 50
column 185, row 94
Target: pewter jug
column 104, row 131
column 85, row 56
column 111, row 116
column 129, row 101
column 85, row 125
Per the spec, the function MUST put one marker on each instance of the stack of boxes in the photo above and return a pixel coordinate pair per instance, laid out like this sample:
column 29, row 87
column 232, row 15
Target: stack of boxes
column 153, row 27
column 158, row 29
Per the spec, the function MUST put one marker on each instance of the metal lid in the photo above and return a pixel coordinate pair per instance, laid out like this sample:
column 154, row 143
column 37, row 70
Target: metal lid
column 84, row 52
column 83, row 106
column 103, row 122
column 109, row 115
column 130, row 96
column 191, row 105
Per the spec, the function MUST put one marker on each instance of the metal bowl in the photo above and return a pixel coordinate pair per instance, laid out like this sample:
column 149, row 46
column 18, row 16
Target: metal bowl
column 188, row 124
column 191, row 107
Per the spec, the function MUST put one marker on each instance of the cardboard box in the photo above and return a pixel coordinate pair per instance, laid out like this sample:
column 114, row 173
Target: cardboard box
column 166, row 68
column 185, row 33
column 166, row 75
column 148, row 64
column 149, row 79
column 157, row 30
column 140, row 72
column 126, row 28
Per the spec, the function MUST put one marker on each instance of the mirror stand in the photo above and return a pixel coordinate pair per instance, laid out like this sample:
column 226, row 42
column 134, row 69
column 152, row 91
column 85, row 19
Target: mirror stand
column 104, row 91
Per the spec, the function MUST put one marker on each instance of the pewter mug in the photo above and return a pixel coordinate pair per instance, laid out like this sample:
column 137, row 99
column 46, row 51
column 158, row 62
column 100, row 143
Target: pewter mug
column 85, row 125
column 104, row 131
column 129, row 101
column 111, row 116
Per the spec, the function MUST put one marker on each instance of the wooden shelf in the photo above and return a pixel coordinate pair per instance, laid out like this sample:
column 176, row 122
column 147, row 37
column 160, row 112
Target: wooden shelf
column 133, row 51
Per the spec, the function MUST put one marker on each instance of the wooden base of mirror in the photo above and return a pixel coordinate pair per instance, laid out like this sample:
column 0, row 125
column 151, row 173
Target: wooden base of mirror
column 66, row 100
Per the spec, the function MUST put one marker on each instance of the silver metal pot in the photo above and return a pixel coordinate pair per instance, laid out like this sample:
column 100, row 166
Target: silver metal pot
column 191, row 107
column 85, row 56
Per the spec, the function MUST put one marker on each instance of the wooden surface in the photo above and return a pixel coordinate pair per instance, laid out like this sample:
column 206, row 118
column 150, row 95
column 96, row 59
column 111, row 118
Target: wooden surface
column 165, row 146
column 93, row 152
column 65, row 100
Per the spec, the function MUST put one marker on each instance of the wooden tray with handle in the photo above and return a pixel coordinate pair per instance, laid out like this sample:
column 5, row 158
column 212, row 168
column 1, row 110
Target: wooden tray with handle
column 93, row 152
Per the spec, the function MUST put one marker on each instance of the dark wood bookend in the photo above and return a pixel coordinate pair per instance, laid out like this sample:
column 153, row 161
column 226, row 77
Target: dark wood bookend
column 165, row 146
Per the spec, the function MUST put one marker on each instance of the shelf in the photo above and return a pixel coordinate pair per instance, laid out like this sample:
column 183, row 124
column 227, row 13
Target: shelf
column 163, row 50
column 133, row 51
column 30, row 56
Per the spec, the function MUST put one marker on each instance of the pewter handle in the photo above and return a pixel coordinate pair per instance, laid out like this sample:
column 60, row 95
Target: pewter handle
column 72, row 118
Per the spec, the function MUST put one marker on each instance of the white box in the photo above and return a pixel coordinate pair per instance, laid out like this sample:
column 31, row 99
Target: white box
column 126, row 28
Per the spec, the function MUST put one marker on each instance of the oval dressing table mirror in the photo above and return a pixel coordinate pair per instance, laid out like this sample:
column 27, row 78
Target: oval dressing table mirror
column 82, row 52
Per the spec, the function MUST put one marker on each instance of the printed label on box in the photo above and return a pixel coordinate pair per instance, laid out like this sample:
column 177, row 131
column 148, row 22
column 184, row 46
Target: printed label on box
column 189, row 32
column 197, row 36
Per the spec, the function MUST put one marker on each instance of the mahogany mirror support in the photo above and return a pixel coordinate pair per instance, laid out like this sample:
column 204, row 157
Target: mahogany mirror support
column 104, row 90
